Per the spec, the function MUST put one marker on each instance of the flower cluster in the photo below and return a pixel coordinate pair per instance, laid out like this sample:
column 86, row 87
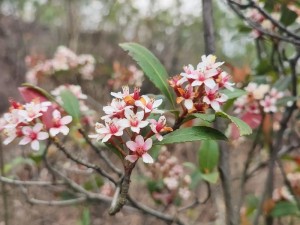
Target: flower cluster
column 126, row 117
column 25, row 121
column 125, row 75
column 198, row 89
column 171, row 174
column 260, row 97
column 64, row 60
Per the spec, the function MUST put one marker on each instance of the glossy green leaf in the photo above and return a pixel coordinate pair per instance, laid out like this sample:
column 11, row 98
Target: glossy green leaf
column 208, row 156
column 210, row 177
column 198, row 133
column 206, row 117
column 241, row 125
column 283, row 83
column 285, row 209
column 152, row 67
column 287, row 16
column 233, row 94
column 71, row 104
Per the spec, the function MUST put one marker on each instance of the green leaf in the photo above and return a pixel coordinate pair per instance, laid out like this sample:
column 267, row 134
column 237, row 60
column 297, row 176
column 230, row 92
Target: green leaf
column 283, row 101
column 287, row 16
column 210, row 177
column 152, row 67
column 263, row 67
column 86, row 217
column 252, row 203
column 241, row 125
column 206, row 117
column 70, row 104
column 285, row 209
column 208, row 156
column 233, row 94
column 94, row 182
column 198, row 133
column 283, row 83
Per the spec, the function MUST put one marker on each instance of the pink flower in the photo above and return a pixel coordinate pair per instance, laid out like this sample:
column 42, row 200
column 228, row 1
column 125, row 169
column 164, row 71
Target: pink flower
column 121, row 95
column 59, row 124
column 34, row 110
column 187, row 96
column 203, row 78
column 134, row 121
column 224, row 81
column 159, row 126
column 139, row 147
column 14, row 118
column 208, row 63
column 116, row 109
column 213, row 98
column 268, row 104
column 99, row 135
column 112, row 127
column 274, row 93
column 149, row 104
column 33, row 136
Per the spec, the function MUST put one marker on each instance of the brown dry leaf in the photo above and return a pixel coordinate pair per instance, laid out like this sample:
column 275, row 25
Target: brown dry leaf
column 269, row 204
column 239, row 74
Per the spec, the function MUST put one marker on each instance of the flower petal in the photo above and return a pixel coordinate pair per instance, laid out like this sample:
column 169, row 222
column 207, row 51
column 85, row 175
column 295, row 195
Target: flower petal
column 64, row 130
column 25, row 141
column 131, row 158
column 210, row 83
column 66, row 120
column 53, row 131
column 42, row 135
column 26, row 130
column 147, row 158
column 148, row 144
column 37, row 127
column 139, row 140
column 131, row 145
column 35, row 145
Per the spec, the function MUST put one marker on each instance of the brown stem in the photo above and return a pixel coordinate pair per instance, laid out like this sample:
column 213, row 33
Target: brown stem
column 121, row 193
column 3, row 188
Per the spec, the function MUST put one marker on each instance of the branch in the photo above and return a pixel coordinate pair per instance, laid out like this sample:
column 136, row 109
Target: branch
column 50, row 202
column 101, row 154
column 157, row 214
column 81, row 162
column 29, row 183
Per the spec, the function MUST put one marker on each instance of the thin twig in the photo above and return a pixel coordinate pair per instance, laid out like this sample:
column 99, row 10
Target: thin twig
column 29, row 183
column 82, row 162
column 101, row 154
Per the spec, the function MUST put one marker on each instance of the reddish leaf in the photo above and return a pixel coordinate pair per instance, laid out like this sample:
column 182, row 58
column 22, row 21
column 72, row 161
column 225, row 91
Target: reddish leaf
column 29, row 94
column 253, row 120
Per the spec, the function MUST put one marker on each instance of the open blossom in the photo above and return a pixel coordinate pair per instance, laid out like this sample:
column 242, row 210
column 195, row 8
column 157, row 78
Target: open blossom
column 187, row 96
column 13, row 119
column 112, row 127
column 149, row 104
column 139, row 148
column 59, row 124
column 224, row 78
column 34, row 110
column 135, row 121
column 115, row 109
column 268, row 104
column 33, row 135
column 159, row 126
column 214, row 99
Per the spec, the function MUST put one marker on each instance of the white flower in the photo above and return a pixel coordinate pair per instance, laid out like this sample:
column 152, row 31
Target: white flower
column 134, row 121
column 171, row 182
column 33, row 136
column 149, row 104
column 139, row 148
column 213, row 98
column 59, row 124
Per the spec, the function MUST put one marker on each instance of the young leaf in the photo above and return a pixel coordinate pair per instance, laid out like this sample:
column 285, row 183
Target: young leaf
column 70, row 104
column 241, row 125
column 30, row 91
column 198, row 133
column 152, row 67
column 208, row 156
